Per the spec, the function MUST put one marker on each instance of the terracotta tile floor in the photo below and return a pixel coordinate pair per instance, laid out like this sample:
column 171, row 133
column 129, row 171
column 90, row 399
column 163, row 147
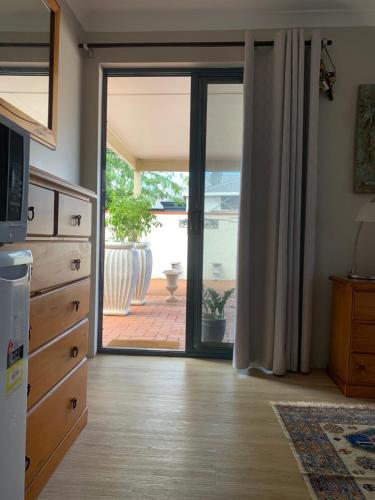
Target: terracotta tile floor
column 157, row 320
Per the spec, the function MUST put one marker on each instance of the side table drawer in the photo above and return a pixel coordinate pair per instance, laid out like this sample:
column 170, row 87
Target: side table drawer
column 364, row 305
column 362, row 369
column 363, row 337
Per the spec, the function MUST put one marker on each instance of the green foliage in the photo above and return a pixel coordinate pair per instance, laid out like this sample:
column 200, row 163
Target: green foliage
column 155, row 186
column 214, row 303
column 119, row 178
column 130, row 218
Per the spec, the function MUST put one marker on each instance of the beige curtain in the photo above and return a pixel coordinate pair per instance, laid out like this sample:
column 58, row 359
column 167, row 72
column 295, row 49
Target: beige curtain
column 278, row 203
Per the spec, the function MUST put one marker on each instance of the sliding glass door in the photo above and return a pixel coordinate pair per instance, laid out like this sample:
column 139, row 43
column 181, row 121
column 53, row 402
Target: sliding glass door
column 172, row 146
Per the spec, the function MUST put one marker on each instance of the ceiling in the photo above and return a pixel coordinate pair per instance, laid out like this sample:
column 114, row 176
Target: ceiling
column 150, row 118
column 171, row 15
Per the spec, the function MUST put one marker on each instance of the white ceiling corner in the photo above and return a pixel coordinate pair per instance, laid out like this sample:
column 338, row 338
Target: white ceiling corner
column 193, row 15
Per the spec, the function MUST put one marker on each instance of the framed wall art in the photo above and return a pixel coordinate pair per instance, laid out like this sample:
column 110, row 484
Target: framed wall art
column 364, row 155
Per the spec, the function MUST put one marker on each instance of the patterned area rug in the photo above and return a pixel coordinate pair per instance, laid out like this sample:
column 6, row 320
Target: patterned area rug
column 334, row 447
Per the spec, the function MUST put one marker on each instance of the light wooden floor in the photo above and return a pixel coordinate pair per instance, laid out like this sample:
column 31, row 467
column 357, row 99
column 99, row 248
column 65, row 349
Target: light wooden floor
column 174, row 428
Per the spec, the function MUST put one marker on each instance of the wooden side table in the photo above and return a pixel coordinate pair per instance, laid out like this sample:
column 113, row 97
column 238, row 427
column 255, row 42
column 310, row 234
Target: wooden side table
column 352, row 353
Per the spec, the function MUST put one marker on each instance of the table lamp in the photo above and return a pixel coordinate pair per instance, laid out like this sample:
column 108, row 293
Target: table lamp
column 366, row 214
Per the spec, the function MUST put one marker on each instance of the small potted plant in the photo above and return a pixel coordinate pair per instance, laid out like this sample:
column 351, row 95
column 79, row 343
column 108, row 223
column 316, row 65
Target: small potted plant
column 213, row 314
column 128, row 261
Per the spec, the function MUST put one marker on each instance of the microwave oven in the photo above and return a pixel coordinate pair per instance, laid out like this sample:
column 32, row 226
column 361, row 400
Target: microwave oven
column 14, row 176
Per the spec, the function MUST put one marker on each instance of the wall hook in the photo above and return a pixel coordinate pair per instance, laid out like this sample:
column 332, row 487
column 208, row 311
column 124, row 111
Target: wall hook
column 327, row 78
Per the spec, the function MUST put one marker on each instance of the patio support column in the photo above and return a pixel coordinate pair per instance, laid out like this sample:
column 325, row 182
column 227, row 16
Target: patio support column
column 137, row 182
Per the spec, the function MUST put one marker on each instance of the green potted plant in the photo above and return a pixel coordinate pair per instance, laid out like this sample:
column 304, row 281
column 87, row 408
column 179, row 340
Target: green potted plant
column 128, row 261
column 130, row 218
column 213, row 314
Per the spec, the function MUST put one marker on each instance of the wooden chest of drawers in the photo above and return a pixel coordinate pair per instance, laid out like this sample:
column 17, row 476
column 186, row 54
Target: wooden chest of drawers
column 59, row 230
column 50, row 420
column 352, row 353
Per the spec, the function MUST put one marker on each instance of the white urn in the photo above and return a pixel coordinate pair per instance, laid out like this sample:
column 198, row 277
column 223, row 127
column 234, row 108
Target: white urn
column 144, row 273
column 120, row 277
column 172, row 283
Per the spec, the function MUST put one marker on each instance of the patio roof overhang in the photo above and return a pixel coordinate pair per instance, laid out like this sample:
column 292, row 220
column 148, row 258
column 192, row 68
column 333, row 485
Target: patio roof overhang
column 149, row 124
column 144, row 164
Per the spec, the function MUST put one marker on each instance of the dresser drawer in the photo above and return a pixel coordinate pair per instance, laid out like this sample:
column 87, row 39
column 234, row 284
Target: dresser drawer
column 362, row 369
column 51, row 419
column 363, row 337
column 41, row 211
column 74, row 216
column 57, row 262
column 364, row 305
column 56, row 311
column 51, row 363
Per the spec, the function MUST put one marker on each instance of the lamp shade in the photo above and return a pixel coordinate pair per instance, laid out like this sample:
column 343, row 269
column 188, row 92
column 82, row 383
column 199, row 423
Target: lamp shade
column 367, row 212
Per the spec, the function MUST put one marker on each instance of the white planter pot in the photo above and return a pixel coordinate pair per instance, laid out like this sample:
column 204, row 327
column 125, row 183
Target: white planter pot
column 144, row 275
column 172, row 283
column 217, row 270
column 177, row 266
column 120, row 277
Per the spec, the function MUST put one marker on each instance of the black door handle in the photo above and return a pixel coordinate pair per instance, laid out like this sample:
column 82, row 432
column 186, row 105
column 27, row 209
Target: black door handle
column 195, row 221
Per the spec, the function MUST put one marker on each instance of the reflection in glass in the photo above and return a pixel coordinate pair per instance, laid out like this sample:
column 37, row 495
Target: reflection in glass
column 24, row 57
column 221, row 211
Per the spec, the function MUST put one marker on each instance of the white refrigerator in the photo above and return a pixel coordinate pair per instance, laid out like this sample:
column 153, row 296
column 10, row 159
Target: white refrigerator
column 15, row 272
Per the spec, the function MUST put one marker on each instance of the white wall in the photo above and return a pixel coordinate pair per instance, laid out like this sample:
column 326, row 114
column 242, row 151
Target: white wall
column 65, row 161
column 353, row 54
column 168, row 244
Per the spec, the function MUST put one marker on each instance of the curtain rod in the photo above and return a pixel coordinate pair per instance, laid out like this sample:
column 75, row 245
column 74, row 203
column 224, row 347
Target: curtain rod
column 109, row 45
column 31, row 45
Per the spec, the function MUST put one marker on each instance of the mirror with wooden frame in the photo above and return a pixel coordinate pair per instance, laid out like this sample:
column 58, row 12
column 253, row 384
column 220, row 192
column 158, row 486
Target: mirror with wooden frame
column 29, row 52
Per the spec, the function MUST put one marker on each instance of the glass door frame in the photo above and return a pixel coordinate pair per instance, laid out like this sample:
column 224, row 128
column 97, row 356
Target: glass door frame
column 200, row 78
column 198, row 128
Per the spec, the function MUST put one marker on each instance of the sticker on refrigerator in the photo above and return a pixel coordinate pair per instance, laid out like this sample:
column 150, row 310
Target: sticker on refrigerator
column 14, row 373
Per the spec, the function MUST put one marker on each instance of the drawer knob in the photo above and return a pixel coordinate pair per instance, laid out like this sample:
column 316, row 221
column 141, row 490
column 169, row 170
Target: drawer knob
column 362, row 367
column 77, row 264
column 30, row 213
column 30, row 328
column 27, row 462
column 76, row 304
column 28, row 389
column 74, row 402
column 75, row 351
column 77, row 219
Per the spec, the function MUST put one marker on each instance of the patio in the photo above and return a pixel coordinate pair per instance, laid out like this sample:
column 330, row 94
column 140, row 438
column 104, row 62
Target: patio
column 158, row 324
